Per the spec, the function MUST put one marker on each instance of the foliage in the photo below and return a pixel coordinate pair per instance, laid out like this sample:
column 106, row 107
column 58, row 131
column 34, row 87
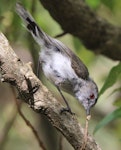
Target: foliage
column 114, row 73
column 111, row 117
column 113, row 76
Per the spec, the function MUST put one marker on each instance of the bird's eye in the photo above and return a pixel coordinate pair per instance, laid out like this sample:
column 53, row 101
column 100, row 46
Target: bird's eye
column 92, row 96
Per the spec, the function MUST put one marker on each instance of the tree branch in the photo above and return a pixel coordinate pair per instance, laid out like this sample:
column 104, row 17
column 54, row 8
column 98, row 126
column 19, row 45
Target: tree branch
column 15, row 72
column 76, row 18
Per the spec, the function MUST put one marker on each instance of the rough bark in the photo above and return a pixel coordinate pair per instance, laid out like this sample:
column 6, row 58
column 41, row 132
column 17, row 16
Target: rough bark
column 15, row 72
column 76, row 18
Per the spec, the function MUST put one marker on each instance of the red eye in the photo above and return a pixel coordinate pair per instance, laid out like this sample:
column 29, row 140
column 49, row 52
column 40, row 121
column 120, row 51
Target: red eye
column 92, row 96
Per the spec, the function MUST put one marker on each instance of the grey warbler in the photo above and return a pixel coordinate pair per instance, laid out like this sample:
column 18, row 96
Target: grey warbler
column 61, row 66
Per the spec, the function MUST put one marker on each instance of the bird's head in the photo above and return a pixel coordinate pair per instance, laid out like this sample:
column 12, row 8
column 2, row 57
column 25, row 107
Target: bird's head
column 87, row 94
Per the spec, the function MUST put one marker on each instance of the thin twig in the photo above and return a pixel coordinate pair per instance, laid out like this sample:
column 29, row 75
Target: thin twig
column 28, row 122
column 60, row 35
column 86, row 133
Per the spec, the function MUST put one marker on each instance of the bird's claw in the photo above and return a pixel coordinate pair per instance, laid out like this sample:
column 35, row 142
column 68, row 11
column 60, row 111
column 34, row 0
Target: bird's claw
column 66, row 110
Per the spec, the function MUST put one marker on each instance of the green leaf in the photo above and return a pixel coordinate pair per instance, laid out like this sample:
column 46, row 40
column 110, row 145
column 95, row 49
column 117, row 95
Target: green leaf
column 114, row 115
column 113, row 75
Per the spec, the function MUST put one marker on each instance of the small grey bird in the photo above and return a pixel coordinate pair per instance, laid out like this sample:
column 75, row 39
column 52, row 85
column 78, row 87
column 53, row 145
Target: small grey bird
column 61, row 66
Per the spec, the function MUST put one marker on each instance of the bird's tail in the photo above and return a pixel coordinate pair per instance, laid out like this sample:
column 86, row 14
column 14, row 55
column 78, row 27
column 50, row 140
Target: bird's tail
column 40, row 36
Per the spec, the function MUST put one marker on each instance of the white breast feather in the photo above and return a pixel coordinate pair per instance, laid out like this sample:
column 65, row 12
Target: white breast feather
column 58, row 62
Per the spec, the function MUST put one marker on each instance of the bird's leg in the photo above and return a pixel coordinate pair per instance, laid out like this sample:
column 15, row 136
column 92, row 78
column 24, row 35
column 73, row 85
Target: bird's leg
column 68, row 107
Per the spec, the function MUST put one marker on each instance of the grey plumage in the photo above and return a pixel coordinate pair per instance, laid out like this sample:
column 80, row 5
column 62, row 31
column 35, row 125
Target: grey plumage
column 60, row 65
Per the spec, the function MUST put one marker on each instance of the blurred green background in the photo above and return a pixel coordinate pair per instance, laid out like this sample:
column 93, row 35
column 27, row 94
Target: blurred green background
column 14, row 133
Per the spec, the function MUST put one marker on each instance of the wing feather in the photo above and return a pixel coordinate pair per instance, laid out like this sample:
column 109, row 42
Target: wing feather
column 78, row 66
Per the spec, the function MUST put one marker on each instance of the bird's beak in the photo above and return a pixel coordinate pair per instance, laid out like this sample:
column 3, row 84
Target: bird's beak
column 88, row 111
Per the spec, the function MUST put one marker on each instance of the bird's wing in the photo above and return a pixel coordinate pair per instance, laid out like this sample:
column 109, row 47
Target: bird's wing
column 78, row 66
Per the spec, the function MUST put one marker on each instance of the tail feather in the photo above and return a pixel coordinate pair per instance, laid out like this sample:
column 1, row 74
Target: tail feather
column 40, row 37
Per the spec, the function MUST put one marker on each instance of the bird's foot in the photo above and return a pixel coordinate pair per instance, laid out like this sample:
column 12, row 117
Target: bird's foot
column 66, row 110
